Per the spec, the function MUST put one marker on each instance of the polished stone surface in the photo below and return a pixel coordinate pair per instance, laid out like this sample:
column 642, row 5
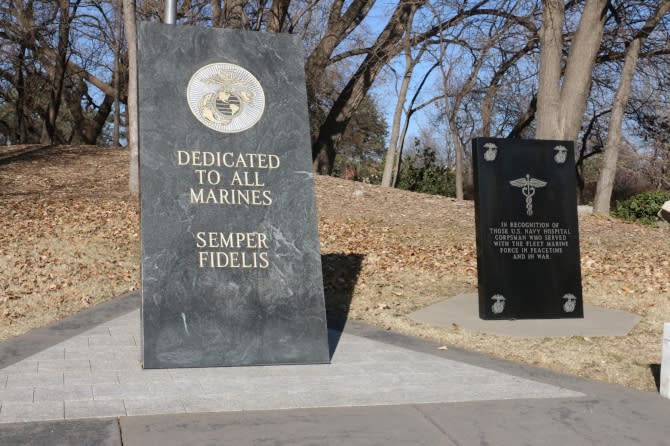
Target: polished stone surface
column 527, row 234
column 231, row 268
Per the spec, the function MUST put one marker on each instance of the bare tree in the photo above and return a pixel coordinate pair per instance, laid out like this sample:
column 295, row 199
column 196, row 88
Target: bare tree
column 603, row 195
column 385, row 48
column 410, row 63
column 411, row 110
column 456, row 90
column 58, row 70
column 118, row 15
column 561, row 100
column 340, row 24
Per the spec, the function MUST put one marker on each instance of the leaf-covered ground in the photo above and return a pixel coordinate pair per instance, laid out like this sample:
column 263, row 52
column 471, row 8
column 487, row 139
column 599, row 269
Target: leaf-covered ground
column 69, row 238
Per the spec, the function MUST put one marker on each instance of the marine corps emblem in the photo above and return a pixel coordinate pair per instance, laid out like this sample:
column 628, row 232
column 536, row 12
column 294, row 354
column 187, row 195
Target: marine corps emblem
column 225, row 97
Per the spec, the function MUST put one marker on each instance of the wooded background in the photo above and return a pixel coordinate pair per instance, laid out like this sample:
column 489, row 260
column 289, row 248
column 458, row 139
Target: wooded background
column 595, row 72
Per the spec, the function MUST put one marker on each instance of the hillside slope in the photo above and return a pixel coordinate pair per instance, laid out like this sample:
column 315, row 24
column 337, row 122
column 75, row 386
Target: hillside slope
column 70, row 239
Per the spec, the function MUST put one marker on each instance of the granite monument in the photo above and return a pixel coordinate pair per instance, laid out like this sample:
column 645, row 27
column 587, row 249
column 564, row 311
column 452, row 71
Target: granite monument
column 527, row 235
column 231, row 268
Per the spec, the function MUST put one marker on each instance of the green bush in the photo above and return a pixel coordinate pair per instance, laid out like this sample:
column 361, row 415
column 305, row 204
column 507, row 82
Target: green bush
column 641, row 208
column 423, row 173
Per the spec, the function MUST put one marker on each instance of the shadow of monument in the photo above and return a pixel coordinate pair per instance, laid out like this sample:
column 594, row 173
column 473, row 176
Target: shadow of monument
column 340, row 274
column 655, row 370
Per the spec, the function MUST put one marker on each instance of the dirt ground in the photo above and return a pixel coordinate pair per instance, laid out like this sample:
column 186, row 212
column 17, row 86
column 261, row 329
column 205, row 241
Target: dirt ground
column 69, row 239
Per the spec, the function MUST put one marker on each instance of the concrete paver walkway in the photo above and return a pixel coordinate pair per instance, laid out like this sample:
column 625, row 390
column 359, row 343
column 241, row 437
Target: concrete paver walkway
column 97, row 374
column 82, row 378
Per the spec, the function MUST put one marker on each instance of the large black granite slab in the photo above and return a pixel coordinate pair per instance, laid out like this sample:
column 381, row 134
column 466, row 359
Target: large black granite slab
column 231, row 268
column 527, row 233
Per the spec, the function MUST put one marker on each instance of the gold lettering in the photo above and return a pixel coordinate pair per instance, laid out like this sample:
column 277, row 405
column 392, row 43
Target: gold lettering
column 265, row 262
column 268, row 198
column 182, row 157
column 195, row 159
column 223, row 196
column 262, row 240
column 196, row 197
column 240, row 161
column 236, row 179
column 242, row 195
column 208, row 159
column 227, row 159
column 211, row 197
column 233, row 259
column 201, row 243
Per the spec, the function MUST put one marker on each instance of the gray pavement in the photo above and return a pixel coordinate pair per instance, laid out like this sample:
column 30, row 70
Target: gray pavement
column 80, row 382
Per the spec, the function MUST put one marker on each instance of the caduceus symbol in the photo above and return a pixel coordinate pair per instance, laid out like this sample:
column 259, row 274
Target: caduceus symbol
column 528, row 186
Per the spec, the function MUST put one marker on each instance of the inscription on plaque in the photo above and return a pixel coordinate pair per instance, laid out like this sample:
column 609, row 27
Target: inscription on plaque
column 231, row 268
column 527, row 235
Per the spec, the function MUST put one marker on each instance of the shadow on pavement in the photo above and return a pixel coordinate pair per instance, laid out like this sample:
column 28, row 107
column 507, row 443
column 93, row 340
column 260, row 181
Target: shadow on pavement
column 340, row 274
column 655, row 370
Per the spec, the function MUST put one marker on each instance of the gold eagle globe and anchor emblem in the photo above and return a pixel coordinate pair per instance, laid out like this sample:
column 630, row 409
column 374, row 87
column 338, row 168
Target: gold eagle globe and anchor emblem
column 225, row 97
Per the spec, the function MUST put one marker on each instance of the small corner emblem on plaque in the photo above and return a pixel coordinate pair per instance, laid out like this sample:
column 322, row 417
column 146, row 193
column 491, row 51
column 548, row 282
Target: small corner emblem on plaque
column 499, row 303
column 561, row 154
column 225, row 97
column 491, row 152
column 570, row 303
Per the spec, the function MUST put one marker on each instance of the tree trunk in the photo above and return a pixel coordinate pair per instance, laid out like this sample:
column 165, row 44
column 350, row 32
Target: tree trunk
column 487, row 102
column 234, row 16
column 458, row 149
column 410, row 63
column 452, row 111
column 85, row 127
column 410, row 112
column 560, row 106
column 21, row 135
column 551, row 48
column 131, row 103
column 401, row 146
column 392, row 152
column 58, row 71
column 117, row 65
column 217, row 15
column 338, row 27
column 601, row 203
column 579, row 68
column 278, row 13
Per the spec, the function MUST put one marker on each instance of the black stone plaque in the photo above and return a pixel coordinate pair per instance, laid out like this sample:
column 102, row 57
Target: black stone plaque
column 527, row 235
column 231, row 268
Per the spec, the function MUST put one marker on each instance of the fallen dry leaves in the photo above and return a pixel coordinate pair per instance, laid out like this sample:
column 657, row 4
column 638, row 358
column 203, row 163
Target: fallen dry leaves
column 69, row 238
column 68, row 234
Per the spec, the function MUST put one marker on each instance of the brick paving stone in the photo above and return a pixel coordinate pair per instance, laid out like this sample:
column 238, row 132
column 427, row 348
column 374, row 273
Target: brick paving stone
column 12, row 412
column 94, row 409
